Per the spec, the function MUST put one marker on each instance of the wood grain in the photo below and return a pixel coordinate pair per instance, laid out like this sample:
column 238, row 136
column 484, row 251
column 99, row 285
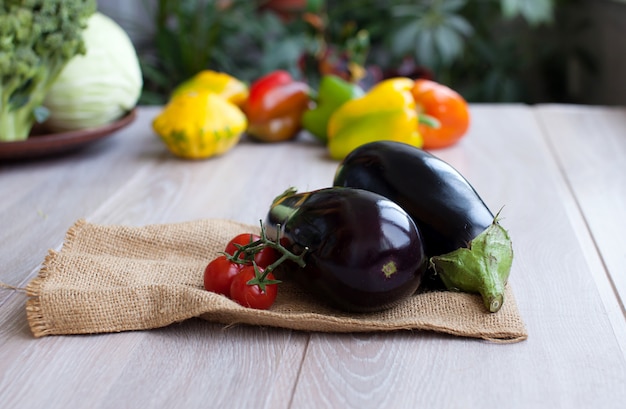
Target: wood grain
column 514, row 156
column 589, row 144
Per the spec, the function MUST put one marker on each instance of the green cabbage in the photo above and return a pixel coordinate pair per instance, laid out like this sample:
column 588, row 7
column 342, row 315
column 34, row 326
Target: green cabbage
column 99, row 87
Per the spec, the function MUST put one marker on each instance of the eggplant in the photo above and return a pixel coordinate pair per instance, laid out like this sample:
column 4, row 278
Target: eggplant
column 362, row 252
column 467, row 248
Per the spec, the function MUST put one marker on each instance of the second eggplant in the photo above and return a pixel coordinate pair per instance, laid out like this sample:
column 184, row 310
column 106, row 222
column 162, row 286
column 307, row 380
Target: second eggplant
column 468, row 249
column 362, row 251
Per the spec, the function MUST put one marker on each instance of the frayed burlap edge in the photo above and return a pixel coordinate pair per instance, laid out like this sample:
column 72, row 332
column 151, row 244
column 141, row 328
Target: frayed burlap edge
column 34, row 311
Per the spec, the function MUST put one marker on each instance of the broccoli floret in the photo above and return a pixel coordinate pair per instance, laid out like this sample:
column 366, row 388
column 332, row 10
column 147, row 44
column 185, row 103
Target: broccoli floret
column 37, row 39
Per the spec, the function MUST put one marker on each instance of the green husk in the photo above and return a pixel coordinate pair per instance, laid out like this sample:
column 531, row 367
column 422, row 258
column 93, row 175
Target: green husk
column 483, row 267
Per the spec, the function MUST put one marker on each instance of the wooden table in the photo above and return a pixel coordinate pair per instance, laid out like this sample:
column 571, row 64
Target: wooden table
column 560, row 172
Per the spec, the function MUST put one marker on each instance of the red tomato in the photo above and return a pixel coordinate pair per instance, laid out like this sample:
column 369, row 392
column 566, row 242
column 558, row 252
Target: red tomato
column 266, row 256
column 219, row 275
column 241, row 240
column 445, row 105
column 252, row 296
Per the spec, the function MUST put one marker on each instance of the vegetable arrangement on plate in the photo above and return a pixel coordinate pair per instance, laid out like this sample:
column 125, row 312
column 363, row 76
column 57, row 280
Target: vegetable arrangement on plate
column 99, row 87
column 65, row 65
column 376, row 237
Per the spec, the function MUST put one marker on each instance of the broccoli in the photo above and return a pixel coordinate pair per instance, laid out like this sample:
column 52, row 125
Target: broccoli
column 37, row 39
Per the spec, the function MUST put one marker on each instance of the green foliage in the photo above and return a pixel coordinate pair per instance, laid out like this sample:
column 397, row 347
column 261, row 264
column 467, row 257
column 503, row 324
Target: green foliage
column 534, row 12
column 434, row 32
column 489, row 50
column 486, row 49
column 229, row 36
column 37, row 39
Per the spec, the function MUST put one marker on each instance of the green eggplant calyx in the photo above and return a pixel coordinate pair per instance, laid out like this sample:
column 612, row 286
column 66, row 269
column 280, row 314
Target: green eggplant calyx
column 483, row 267
column 288, row 192
column 283, row 206
column 283, row 212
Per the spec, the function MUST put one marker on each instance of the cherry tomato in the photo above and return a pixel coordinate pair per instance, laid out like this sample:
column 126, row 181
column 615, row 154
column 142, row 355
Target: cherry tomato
column 241, row 240
column 219, row 275
column 445, row 105
column 251, row 295
column 263, row 258
column 266, row 256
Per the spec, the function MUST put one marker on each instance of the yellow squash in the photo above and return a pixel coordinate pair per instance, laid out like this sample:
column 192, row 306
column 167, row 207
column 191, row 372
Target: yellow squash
column 228, row 87
column 201, row 124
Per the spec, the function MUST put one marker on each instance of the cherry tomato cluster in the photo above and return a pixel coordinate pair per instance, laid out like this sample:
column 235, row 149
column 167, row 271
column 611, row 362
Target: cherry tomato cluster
column 244, row 272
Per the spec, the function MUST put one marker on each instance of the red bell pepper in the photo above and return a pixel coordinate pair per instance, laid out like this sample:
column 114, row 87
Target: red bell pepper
column 275, row 106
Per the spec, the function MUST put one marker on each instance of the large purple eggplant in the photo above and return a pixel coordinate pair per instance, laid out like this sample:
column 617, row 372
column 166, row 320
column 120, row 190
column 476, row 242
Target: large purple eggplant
column 363, row 251
column 468, row 249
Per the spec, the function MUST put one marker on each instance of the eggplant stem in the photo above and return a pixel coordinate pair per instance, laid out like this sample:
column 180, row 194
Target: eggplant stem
column 495, row 304
column 493, row 293
column 288, row 192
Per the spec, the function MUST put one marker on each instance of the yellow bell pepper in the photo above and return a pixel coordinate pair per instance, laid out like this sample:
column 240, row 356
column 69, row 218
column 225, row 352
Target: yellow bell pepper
column 386, row 112
column 219, row 83
column 198, row 125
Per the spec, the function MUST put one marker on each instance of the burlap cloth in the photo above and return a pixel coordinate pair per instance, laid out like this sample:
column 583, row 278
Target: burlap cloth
column 121, row 278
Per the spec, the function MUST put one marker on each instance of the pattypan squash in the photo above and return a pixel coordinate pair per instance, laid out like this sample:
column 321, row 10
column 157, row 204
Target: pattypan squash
column 227, row 86
column 200, row 124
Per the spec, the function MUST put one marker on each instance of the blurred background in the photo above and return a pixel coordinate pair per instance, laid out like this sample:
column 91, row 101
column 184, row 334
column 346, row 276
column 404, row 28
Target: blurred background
column 528, row 51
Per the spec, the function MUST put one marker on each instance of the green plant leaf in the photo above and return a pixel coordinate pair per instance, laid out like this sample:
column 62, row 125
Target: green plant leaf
column 404, row 38
column 448, row 42
column 425, row 49
column 533, row 11
column 511, row 8
column 460, row 25
column 538, row 11
column 451, row 6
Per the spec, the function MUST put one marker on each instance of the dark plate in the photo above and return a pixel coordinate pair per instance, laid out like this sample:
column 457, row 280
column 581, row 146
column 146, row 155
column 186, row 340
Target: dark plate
column 39, row 145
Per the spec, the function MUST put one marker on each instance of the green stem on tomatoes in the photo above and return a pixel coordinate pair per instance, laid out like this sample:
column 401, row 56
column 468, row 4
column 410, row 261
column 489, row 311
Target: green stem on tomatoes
column 250, row 249
column 260, row 278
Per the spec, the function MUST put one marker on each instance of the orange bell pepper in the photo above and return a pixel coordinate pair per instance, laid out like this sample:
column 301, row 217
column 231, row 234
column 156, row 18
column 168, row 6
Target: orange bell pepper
column 447, row 107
